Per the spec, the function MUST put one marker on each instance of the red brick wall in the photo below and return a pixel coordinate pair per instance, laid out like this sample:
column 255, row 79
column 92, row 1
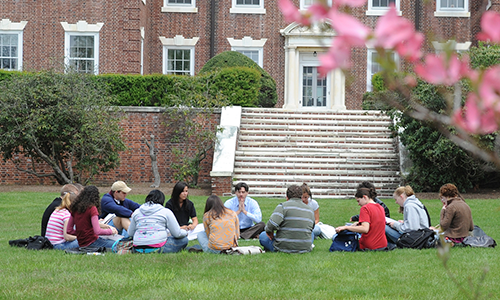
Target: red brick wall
column 135, row 161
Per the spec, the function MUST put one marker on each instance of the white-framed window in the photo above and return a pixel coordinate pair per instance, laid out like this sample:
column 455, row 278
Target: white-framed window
column 380, row 7
column 304, row 4
column 253, row 49
column 452, row 8
column 247, row 7
column 178, row 55
column 180, row 6
column 11, row 44
column 374, row 67
column 81, row 46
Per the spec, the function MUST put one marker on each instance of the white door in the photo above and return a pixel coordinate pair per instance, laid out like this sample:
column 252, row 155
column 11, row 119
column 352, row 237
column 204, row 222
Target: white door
column 315, row 90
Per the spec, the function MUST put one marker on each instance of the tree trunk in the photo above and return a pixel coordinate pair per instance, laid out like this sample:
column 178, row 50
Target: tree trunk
column 154, row 163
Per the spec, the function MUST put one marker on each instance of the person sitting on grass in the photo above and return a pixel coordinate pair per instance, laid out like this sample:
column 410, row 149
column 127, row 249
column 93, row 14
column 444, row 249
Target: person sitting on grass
column 248, row 212
column 116, row 202
column 415, row 215
column 222, row 228
column 182, row 207
column 313, row 204
column 293, row 222
column 84, row 217
column 456, row 216
column 150, row 225
column 67, row 188
column 369, row 185
column 371, row 223
column 58, row 223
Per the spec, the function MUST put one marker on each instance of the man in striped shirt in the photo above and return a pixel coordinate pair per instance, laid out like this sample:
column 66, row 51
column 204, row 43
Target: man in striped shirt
column 293, row 222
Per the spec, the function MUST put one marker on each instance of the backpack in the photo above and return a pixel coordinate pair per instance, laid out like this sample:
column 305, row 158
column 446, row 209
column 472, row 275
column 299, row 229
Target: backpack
column 417, row 239
column 36, row 242
column 478, row 238
column 346, row 240
column 123, row 246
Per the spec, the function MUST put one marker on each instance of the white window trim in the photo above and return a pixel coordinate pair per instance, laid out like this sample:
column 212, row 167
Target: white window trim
column 8, row 27
column 303, row 6
column 369, row 71
column 142, row 50
column 179, row 8
column 249, row 44
column 380, row 11
column 179, row 42
column 82, row 28
column 247, row 9
column 451, row 44
column 451, row 12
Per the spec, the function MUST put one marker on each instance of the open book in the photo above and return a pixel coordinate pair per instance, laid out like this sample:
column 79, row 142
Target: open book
column 389, row 220
column 107, row 219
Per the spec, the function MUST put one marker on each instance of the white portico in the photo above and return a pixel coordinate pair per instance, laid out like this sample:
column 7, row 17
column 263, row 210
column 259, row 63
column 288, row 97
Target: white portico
column 304, row 88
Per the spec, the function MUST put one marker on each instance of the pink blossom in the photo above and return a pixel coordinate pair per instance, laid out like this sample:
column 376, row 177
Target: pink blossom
column 441, row 70
column 351, row 3
column 349, row 26
column 318, row 11
column 392, row 30
column 338, row 56
column 411, row 48
column 473, row 120
column 489, row 88
column 291, row 13
column 490, row 25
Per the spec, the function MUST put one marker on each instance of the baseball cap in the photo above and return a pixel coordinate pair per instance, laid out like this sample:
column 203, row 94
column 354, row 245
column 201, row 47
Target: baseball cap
column 120, row 186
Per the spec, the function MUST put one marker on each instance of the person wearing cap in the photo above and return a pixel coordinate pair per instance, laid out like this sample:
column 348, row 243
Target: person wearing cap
column 115, row 202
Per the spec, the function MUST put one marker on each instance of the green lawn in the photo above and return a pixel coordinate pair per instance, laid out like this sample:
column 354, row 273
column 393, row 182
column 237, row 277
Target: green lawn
column 400, row 274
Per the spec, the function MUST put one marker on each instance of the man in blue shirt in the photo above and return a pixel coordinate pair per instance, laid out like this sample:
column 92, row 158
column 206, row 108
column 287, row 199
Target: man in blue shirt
column 248, row 212
column 115, row 202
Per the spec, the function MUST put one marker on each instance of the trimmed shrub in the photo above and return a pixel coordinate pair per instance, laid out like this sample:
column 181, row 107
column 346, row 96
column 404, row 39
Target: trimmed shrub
column 240, row 85
column 267, row 96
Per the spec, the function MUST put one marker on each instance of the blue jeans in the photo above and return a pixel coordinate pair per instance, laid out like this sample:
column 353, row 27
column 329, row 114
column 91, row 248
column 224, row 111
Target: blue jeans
column 203, row 240
column 67, row 245
column 316, row 232
column 174, row 245
column 266, row 242
column 391, row 234
column 100, row 242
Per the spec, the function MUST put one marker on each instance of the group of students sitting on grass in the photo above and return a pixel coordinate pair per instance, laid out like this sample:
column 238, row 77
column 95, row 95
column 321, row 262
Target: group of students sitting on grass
column 80, row 218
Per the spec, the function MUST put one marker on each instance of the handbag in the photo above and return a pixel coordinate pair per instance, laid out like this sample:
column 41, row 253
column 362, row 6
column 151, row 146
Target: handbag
column 346, row 241
column 123, row 246
column 327, row 231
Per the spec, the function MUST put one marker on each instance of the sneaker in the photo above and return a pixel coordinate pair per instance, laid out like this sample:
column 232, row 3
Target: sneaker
column 194, row 250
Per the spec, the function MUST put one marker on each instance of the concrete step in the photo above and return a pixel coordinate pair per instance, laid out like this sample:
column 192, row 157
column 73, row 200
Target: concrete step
column 315, row 165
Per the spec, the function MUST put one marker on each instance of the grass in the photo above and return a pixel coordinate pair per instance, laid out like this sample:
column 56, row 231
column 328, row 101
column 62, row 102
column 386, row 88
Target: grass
column 400, row 274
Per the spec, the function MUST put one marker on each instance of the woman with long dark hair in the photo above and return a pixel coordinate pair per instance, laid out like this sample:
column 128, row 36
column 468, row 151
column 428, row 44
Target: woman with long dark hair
column 149, row 226
column 85, row 216
column 222, row 227
column 182, row 207
column 371, row 223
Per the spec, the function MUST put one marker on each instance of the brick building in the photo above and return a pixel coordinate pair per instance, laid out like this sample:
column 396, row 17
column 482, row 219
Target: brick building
column 180, row 36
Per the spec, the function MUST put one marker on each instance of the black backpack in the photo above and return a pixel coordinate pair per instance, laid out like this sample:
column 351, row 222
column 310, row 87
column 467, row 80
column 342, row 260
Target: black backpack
column 417, row 239
column 36, row 242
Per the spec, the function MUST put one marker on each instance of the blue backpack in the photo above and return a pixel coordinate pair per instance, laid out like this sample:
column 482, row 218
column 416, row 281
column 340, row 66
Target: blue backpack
column 346, row 240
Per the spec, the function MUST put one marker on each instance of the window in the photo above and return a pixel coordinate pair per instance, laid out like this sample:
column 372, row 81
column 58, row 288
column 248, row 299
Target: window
column 374, row 67
column 451, row 45
column 11, row 44
column 247, row 7
column 180, row 6
column 380, row 7
column 452, row 8
column 178, row 55
column 253, row 49
column 81, row 46
column 304, row 4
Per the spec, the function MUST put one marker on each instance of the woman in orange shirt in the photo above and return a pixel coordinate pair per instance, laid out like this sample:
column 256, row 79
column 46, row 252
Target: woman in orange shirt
column 222, row 228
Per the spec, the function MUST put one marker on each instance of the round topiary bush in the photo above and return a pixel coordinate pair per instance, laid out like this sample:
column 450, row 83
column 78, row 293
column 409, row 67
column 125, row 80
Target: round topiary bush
column 267, row 94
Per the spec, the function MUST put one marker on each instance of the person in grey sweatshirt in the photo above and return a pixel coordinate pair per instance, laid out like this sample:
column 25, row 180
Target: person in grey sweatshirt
column 154, row 228
column 414, row 214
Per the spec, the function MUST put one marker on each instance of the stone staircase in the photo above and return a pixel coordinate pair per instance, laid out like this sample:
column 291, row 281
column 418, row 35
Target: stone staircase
column 331, row 151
